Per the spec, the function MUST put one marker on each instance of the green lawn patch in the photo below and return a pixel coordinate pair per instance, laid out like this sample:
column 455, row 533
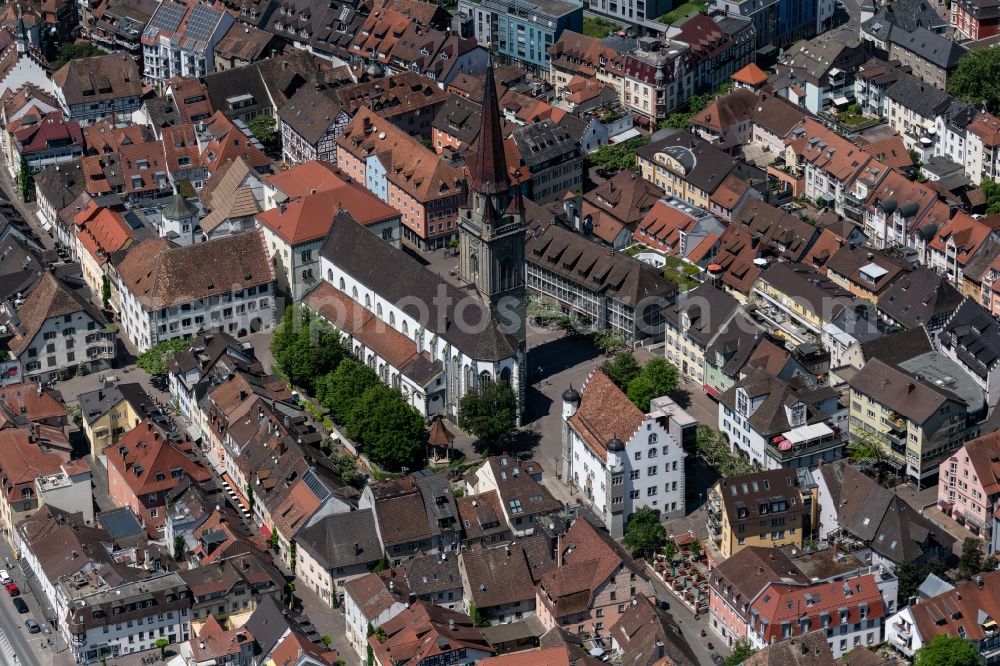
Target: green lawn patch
column 682, row 11
column 598, row 27
column 681, row 273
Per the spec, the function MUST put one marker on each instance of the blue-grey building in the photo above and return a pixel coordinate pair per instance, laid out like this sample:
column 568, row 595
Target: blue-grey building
column 777, row 23
column 521, row 31
column 375, row 178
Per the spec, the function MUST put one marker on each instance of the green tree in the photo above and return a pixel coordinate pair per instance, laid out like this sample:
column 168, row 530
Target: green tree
column 868, row 454
column 325, row 640
column 381, row 565
column 645, row 534
column 618, row 157
column 341, row 389
column 105, row 291
column 742, row 651
column 69, row 52
column 609, row 340
column 945, row 650
column 910, row 577
column 977, row 78
column 274, row 541
column 656, row 378
column 262, row 127
column 490, row 413
column 178, row 548
column 622, row 369
column 992, row 192
column 715, row 450
column 306, row 347
column 670, row 551
column 293, row 555
column 971, row 561
column 25, row 180
column 154, row 360
column 250, row 497
column 478, row 619
column 389, row 430
column 695, row 548
column 162, row 643
column 346, row 466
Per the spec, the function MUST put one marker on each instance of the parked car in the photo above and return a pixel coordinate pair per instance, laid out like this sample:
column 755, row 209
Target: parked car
column 12, row 589
column 20, row 605
column 5, row 577
column 32, row 626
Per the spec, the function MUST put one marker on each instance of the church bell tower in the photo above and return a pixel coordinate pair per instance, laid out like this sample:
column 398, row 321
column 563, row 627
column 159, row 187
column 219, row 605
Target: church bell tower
column 491, row 225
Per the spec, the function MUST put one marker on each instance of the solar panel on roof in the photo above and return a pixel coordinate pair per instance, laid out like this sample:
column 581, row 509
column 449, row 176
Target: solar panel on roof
column 167, row 17
column 201, row 23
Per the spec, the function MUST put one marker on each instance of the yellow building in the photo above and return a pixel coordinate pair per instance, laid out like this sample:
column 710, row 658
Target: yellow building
column 796, row 301
column 109, row 413
column 915, row 422
column 769, row 509
column 686, row 167
column 864, row 272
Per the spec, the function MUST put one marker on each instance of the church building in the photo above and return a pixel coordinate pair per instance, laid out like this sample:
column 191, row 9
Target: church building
column 431, row 339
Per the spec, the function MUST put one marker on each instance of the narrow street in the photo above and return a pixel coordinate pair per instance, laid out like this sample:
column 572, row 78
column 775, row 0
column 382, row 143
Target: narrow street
column 28, row 647
column 9, row 191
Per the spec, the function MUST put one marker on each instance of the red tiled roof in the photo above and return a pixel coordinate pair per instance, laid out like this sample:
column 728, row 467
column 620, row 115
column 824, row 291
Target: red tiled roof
column 984, row 454
column 102, row 231
column 148, row 462
column 307, row 178
column 51, row 128
column 752, row 75
column 986, row 126
column 309, row 218
column 838, row 603
column 605, row 413
column 588, row 561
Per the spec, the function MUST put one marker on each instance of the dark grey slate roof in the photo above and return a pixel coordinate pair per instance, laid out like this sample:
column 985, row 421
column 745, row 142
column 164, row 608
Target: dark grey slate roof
column 897, row 347
column 178, row 208
column 709, row 166
column 930, row 46
column 907, row 15
column 974, row 335
column 120, row 523
column 770, row 417
column 589, row 265
column 310, row 113
column 431, row 574
column 540, row 143
column 459, row 117
column 707, row 307
column 364, row 256
column 922, row 98
column 919, row 298
column 268, row 623
column 342, row 539
column 96, row 404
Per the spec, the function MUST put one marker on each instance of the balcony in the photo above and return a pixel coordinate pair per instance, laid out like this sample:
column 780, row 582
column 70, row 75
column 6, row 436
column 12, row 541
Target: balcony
column 903, row 630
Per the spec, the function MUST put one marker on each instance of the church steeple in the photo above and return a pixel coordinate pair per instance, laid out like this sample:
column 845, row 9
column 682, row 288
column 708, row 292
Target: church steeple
column 489, row 167
column 491, row 222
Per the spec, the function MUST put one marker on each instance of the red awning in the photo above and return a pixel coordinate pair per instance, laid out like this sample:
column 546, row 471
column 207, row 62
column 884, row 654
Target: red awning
column 711, row 391
column 266, row 531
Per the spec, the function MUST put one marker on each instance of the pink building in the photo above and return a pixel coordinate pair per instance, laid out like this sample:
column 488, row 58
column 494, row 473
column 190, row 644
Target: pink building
column 969, row 483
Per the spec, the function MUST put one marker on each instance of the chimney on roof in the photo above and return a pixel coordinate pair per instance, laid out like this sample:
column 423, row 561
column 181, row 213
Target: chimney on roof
column 451, row 623
column 979, row 582
column 357, row 548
